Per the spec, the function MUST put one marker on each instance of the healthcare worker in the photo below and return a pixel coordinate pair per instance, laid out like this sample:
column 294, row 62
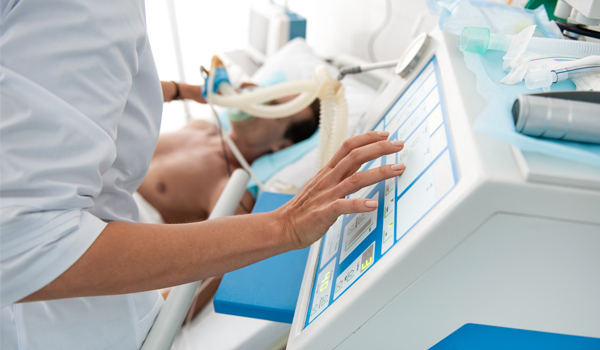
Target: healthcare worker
column 80, row 107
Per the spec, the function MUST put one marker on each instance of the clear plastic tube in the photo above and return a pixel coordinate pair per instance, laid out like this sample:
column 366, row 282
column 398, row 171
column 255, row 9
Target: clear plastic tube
column 333, row 116
column 479, row 40
column 546, row 76
column 234, row 149
column 249, row 105
column 231, row 98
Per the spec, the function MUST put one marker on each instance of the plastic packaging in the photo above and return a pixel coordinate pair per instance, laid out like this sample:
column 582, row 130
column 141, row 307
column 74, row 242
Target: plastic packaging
column 455, row 15
column 496, row 120
column 479, row 40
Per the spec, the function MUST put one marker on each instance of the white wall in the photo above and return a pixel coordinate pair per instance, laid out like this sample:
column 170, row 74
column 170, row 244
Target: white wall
column 205, row 28
column 345, row 26
column 334, row 27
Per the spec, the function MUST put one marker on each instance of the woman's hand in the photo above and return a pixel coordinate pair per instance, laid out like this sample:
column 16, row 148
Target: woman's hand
column 308, row 215
column 158, row 256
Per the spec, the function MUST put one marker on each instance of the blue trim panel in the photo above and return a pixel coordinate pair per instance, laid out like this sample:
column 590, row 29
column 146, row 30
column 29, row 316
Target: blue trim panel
column 297, row 25
column 269, row 289
column 476, row 336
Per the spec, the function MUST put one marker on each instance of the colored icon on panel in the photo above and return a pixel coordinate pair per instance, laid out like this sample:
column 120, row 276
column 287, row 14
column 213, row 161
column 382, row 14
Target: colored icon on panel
column 367, row 258
column 325, row 282
column 366, row 264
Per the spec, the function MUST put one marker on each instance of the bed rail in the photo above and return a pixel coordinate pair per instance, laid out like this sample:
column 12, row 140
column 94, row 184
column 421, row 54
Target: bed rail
column 170, row 318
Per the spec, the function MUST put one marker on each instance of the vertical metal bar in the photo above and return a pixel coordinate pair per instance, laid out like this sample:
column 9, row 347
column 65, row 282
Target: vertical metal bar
column 178, row 56
column 171, row 316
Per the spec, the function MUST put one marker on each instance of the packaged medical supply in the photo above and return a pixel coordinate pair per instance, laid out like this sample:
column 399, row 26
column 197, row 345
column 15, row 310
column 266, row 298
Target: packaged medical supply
column 496, row 120
column 479, row 40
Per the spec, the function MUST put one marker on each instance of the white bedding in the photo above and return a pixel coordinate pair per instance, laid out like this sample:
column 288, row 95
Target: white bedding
column 297, row 61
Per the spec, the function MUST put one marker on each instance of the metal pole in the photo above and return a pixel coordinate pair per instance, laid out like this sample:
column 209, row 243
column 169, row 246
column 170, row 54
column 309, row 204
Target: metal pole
column 177, row 46
column 171, row 316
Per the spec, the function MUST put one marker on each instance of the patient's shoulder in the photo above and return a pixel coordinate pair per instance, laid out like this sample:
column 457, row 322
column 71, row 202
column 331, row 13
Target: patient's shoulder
column 199, row 124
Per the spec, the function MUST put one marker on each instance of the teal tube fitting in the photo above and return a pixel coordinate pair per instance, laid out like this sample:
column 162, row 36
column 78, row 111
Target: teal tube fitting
column 475, row 39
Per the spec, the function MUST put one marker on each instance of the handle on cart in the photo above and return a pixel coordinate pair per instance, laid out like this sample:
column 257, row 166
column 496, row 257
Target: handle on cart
column 171, row 316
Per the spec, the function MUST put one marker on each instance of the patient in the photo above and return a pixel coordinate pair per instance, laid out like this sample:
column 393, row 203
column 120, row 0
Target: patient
column 189, row 168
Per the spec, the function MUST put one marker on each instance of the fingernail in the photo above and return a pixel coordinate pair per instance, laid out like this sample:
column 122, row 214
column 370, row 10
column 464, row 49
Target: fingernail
column 399, row 166
column 371, row 204
column 398, row 143
column 383, row 133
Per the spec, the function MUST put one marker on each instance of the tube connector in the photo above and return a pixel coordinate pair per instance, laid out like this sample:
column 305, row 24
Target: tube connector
column 349, row 70
column 542, row 78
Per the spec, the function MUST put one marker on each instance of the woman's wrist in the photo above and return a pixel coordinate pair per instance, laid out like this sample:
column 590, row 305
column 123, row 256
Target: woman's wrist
column 283, row 228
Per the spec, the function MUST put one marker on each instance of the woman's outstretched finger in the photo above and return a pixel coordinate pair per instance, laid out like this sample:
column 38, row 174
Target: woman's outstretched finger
column 351, row 206
column 356, row 142
column 366, row 178
column 351, row 163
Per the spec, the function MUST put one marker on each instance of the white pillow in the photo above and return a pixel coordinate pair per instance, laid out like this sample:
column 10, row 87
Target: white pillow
column 297, row 61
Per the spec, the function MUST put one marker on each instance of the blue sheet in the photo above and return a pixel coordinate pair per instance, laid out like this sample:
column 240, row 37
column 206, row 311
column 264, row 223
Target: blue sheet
column 268, row 289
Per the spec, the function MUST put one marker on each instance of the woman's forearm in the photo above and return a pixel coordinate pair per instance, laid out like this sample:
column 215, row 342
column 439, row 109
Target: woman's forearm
column 129, row 257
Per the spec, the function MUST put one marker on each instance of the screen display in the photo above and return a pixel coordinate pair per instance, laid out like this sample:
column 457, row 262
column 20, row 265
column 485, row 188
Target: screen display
column 355, row 242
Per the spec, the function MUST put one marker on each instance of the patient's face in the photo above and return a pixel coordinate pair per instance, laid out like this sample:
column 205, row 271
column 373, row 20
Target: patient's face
column 270, row 132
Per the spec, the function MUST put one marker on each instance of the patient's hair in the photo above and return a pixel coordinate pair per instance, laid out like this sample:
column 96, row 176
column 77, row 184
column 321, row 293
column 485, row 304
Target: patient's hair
column 300, row 131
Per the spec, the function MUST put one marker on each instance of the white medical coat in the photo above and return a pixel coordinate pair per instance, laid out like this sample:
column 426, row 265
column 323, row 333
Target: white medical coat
column 80, row 114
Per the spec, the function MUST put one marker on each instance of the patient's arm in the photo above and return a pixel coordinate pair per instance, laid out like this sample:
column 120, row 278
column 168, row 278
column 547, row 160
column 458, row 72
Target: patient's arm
column 186, row 91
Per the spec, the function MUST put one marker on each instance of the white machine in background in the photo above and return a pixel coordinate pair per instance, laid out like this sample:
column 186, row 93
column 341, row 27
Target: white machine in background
column 271, row 26
column 474, row 231
column 585, row 12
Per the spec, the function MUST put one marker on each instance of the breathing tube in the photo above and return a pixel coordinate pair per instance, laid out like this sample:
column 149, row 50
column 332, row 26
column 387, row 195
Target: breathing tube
column 330, row 92
column 545, row 77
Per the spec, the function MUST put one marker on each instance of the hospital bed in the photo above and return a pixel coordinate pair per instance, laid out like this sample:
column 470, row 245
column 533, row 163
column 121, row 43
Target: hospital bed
column 295, row 61
column 493, row 242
